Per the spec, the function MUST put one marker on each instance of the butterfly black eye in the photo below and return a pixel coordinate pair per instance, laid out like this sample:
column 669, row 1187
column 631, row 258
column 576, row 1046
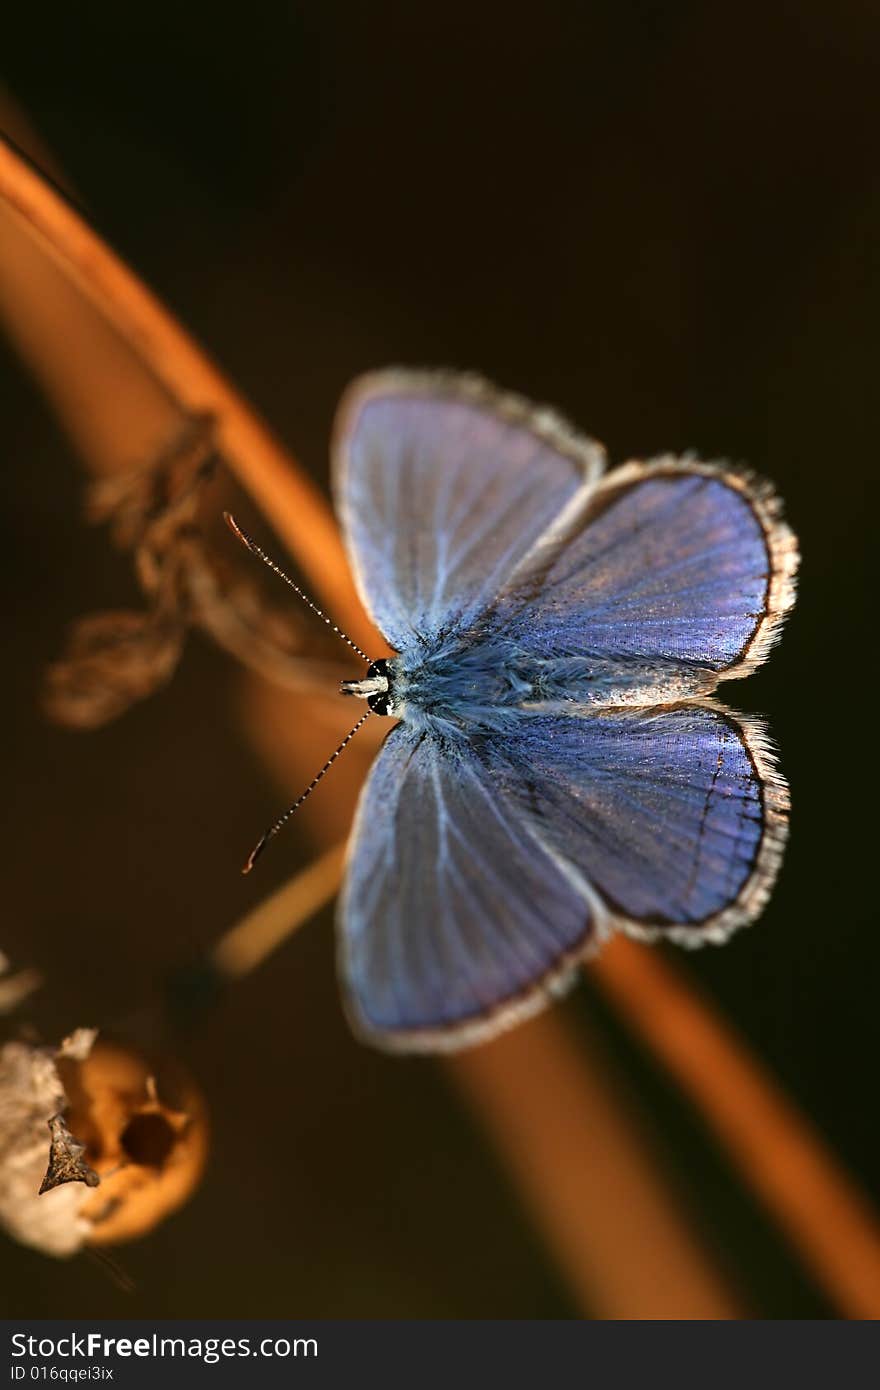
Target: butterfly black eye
column 381, row 704
column 383, row 701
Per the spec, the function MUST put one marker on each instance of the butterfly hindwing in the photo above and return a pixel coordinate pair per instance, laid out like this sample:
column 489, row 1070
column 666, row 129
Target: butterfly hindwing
column 454, row 921
column 675, row 817
column 480, row 870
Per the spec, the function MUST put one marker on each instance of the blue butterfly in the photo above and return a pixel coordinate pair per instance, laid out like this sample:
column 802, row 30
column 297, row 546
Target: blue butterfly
column 558, row 770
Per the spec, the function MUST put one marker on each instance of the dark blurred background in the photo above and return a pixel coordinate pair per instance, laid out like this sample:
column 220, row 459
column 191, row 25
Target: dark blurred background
column 662, row 219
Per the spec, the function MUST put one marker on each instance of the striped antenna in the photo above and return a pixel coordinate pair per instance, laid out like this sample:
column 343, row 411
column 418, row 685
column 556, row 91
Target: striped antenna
column 285, row 817
column 252, row 546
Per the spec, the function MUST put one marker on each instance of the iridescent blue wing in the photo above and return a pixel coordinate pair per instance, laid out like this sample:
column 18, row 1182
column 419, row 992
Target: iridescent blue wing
column 481, row 870
column 675, row 817
column 671, row 575
column 454, row 920
column 442, row 486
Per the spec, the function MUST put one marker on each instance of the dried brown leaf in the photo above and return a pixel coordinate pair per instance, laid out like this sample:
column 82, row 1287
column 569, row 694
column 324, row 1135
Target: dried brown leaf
column 116, row 658
column 111, row 661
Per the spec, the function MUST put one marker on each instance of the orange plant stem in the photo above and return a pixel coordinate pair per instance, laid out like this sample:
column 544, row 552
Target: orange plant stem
column 286, row 496
column 588, row 1178
column 826, row 1218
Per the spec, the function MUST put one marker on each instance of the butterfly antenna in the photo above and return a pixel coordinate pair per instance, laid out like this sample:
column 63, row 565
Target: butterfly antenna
column 252, row 546
column 285, row 817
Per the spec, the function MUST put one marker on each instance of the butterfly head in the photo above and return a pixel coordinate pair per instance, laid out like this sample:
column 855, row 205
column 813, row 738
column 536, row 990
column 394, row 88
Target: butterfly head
column 377, row 688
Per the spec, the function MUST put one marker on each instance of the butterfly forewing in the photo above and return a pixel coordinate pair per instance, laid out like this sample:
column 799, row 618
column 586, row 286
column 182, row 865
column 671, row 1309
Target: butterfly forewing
column 443, row 486
column 678, row 571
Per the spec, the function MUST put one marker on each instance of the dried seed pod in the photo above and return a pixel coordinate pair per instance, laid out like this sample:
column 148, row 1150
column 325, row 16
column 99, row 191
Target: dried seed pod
column 92, row 1149
column 146, row 1138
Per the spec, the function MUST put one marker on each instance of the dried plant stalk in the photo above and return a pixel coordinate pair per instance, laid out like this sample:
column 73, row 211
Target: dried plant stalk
column 829, row 1222
column 588, row 1177
column 256, row 936
column 187, row 378
column 154, row 465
